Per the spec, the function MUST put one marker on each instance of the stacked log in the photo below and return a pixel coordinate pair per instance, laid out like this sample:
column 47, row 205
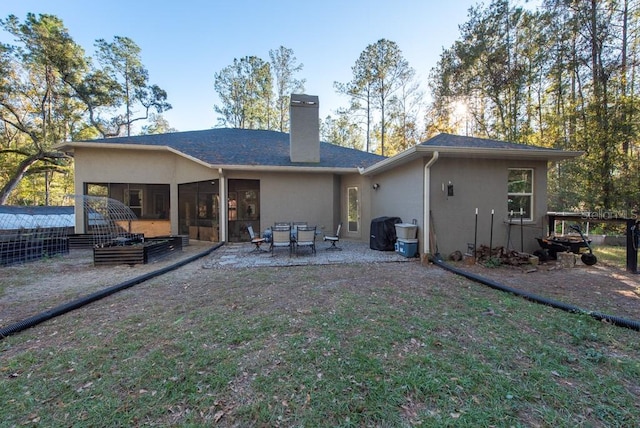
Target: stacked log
column 484, row 255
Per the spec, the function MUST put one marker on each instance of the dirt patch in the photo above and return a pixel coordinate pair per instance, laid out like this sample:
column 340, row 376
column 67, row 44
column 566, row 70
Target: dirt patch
column 600, row 288
column 28, row 289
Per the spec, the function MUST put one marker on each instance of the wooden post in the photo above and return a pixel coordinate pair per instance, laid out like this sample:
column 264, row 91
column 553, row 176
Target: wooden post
column 491, row 236
column 475, row 236
column 632, row 251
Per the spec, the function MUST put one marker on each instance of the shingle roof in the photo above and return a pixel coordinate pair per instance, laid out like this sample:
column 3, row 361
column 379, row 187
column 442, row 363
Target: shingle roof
column 226, row 146
column 457, row 146
column 450, row 140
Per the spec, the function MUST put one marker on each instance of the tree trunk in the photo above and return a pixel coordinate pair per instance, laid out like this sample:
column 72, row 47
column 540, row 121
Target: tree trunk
column 22, row 170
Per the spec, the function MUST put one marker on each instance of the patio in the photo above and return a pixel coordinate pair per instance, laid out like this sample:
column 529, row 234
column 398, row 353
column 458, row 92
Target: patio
column 239, row 255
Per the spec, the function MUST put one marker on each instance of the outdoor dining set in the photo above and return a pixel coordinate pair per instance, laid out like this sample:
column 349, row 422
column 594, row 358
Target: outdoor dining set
column 292, row 236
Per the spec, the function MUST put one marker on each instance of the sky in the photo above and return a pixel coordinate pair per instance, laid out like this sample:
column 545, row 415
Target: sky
column 184, row 43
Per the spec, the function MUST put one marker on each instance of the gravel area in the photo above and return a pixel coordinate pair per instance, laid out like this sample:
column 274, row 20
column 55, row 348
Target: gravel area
column 242, row 256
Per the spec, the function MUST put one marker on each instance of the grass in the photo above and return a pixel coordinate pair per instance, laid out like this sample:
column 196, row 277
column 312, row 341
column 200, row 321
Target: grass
column 611, row 255
column 361, row 345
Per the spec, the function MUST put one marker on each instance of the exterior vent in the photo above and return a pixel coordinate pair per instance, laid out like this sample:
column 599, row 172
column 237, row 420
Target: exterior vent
column 304, row 129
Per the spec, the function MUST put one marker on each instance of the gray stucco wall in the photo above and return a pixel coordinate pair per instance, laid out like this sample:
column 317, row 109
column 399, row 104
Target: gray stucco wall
column 477, row 183
column 295, row 197
column 482, row 184
column 320, row 198
column 100, row 165
column 316, row 198
column 400, row 194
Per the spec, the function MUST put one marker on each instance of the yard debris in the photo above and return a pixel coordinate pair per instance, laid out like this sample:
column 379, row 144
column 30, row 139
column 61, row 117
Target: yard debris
column 489, row 312
column 498, row 255
column 456, row 256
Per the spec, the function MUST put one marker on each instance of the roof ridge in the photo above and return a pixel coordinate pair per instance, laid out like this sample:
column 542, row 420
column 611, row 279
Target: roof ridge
column 465, row 141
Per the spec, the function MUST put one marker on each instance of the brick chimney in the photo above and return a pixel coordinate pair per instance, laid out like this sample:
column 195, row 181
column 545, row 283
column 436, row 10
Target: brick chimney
column 304, row 134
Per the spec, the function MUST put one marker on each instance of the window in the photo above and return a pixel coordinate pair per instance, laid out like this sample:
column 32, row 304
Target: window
column 520, row 193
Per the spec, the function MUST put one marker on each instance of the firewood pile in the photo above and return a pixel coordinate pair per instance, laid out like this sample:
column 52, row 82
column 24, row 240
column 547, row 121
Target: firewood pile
column 507, row 257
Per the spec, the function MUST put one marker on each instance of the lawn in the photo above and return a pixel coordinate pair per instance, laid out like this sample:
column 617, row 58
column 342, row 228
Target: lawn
column 611, row 255
column 347, row 345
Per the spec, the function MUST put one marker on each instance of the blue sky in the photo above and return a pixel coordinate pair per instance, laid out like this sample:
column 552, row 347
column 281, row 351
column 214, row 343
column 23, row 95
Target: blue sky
column 185, row 42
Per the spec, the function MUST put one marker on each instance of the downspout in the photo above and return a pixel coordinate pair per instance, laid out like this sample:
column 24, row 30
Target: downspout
column 224, row 206
column 427, row 205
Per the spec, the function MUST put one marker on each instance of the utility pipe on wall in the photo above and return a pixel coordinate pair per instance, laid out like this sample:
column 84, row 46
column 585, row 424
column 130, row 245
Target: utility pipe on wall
column 427, row 205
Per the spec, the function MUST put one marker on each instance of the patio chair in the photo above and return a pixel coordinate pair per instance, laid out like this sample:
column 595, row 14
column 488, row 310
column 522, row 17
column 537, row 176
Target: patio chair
column 294, row 228
column 297, row 224
column 334, row 239
column 281, row 238
column 257, row 241
column 306, row 237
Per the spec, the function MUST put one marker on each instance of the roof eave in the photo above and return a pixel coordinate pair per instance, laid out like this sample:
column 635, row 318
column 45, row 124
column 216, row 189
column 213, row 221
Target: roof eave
column 70, row 147
column 388, row 163
column 492, row 153
column 287, row 168
column 469, row 152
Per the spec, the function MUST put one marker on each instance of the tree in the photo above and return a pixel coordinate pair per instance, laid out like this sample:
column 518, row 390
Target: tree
column 440, row 116
column 342, row 130
column 491, row 70
column 158, row 125
column 564, row 76
column 36, row 107
column 405, row 107
column 283, row 67
column 360, row 92
column 245, row 89
column 378, row 73
column 255, row 94
column 51, row 92
column 121, row 61
column 390, row 71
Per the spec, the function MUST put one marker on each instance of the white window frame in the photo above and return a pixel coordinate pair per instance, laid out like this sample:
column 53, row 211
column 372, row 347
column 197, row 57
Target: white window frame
column 516, row 213
column 353, row 222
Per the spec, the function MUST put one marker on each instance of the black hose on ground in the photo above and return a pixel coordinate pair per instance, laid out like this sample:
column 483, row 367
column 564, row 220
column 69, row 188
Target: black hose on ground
column 619, row 321
column 82, row 301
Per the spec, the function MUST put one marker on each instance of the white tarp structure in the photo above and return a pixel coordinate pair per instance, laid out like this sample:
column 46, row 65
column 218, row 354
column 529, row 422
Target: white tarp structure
column 31, row 233
column 12, row 218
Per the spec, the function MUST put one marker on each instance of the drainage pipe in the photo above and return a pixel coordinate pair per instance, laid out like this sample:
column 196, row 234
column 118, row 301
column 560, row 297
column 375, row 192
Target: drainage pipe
column 82, row 301
column 621, row 322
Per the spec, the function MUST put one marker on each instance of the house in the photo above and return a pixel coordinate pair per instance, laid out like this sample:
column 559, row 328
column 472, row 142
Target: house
column 212, row 184
column 450, row 180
